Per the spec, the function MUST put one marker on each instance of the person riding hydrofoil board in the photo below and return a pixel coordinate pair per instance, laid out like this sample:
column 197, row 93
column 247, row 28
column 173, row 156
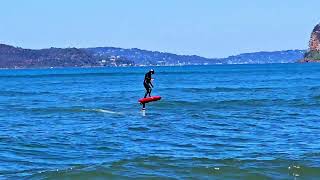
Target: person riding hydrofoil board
column 147, row 83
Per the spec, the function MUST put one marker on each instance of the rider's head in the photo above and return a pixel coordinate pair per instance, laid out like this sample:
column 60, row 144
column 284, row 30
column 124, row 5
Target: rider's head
column 151, row 71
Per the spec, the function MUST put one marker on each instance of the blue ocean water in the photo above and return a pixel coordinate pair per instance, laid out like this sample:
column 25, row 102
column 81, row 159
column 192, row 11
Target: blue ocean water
column 213, row 122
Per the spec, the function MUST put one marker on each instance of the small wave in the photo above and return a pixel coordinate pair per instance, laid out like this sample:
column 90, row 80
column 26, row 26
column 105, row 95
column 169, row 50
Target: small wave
column 72, row 110
column 246, row 102
column 214, row 104
column 102, row 111
column 80, row 172
column 201, row 167
column 218, row 89
column 172, row 104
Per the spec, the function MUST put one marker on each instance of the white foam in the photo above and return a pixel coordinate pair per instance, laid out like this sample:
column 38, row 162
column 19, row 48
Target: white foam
column 103, row 111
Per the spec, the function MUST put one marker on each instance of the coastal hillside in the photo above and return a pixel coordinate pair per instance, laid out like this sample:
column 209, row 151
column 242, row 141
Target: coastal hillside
column 143, row 57
column 313, row 53
column 16, row 57
column 13, row 57
column 289, row 56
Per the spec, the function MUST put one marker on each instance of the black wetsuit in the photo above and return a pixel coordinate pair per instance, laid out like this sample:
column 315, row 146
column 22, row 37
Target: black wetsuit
column 147, row 83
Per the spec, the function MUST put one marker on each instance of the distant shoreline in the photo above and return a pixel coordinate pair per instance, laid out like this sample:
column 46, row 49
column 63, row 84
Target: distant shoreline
column 100, row 67
column 18, row 58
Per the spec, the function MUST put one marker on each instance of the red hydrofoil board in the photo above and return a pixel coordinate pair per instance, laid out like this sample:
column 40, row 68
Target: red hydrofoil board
column 149, row 99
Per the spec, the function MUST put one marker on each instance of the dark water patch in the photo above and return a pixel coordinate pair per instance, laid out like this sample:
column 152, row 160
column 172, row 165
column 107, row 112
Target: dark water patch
column 197, row 127
column 141, row 129
column 317, row 97
column 314, row 88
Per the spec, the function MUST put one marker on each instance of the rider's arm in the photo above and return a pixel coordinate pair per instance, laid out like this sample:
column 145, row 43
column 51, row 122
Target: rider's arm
column 145, row 78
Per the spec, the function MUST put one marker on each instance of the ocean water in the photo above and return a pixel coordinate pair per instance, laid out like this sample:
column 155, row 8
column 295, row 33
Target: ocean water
column 214, row 122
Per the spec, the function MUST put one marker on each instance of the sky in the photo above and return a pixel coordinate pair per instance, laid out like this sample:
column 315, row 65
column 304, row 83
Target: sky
column 209, row 28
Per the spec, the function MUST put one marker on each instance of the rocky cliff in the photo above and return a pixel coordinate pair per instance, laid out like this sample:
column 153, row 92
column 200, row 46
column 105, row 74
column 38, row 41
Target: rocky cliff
column 313, row 54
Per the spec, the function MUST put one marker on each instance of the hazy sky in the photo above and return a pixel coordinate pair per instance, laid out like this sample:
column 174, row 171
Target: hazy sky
column 210, row 28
